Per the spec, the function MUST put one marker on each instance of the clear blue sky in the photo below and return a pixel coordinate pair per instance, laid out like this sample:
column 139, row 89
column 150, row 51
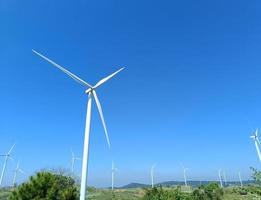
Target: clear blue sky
column 190, row 92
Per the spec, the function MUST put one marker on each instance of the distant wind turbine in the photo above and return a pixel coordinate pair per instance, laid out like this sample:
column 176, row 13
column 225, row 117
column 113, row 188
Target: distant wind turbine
column 239, row 176
column 91, row 92
column 17, row 170
column 113, row 170
column 185, row 175
column 7, row 157
column 220, row 178
column 74, row 158
column 257, row 143
column 225, row 177
column 152, row 175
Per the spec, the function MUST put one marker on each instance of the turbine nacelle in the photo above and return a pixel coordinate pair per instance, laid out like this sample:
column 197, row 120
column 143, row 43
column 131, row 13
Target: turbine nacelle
column 88, row 91
column 255, row 137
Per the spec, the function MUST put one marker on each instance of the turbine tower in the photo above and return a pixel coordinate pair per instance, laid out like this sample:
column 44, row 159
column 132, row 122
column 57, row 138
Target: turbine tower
column 91, row 92
column 225, row 178
column 74, row 158
column 152, row 175
column 16, row 171
column 257, row 143
column 240, row 180
column 220, row 178
column 185, row 176
column 113, row 170
column 7, row 157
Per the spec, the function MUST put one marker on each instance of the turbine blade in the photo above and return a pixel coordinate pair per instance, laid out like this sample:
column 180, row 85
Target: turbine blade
column 102, row 118
column 107, row 78
column 11, row 158
column 76, row 78
column 9, row 152
column 257, row 139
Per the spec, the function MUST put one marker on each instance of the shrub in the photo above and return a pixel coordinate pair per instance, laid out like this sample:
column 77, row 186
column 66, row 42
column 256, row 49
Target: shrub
column 211, row 191
column 46, row 186
column 157, row 193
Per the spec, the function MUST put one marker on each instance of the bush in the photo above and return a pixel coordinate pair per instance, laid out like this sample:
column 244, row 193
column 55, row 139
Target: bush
column 169, row 194
column 47, row 186
column 211, row 191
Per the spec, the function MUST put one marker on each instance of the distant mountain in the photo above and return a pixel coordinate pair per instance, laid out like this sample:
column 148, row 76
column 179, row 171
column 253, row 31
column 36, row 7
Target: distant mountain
column 134, row 185
column 175, row 183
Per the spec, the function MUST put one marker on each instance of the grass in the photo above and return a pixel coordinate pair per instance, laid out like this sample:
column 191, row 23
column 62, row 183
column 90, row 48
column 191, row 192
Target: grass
column 137, row 194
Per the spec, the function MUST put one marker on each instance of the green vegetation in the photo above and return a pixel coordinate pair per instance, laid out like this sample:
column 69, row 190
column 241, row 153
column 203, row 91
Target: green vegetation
column 211, row 191
column 47, row 185
column 168, row 194
column 57, row 186
column 159, row 193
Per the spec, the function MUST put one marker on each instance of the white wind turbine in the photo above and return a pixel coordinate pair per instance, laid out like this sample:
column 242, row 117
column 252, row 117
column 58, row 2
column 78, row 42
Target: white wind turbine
column 90, row 91
column 74, row 158
column 16, row 171
column 257, row 143
column 7, row 156
column 113, row 170
column 225, row 177
column 240, row 180
column 152, row 174
column 184, row 174
column 220, row 178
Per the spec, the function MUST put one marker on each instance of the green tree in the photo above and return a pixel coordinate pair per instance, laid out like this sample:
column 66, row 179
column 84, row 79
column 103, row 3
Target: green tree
column 256, row 175
column 47, row 186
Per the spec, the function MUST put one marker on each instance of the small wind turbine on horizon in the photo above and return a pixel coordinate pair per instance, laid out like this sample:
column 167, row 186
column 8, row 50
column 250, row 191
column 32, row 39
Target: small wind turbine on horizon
column 257, row 143
column 240, row 180
column 113, row 170
column 152, row 174
column 91, row 92
column 185, row 175
column 7, row 157
column 74, row 158
column 220, row 178
column 225, row 178
column 16, row 171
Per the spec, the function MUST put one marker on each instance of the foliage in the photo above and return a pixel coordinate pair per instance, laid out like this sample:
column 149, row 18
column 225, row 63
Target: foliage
column 46, row 186
column 253, row 189
column 240, row 190
column 211, row 191
column 256, row 175
column 157, row 193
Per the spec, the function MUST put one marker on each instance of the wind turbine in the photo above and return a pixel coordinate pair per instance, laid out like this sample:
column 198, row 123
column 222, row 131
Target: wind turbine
column 185, row 175
column 239, row 176
column 257, row 143
column 74, row 158
column 225, row 177
column 91, row 92
column 17, row 169
column 7, row 156
column 220, row 178
column 152, row 174
column 113, row 170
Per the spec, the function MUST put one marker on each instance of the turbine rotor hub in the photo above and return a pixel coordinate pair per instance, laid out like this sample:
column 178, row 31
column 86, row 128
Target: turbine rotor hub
column 89, row 90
